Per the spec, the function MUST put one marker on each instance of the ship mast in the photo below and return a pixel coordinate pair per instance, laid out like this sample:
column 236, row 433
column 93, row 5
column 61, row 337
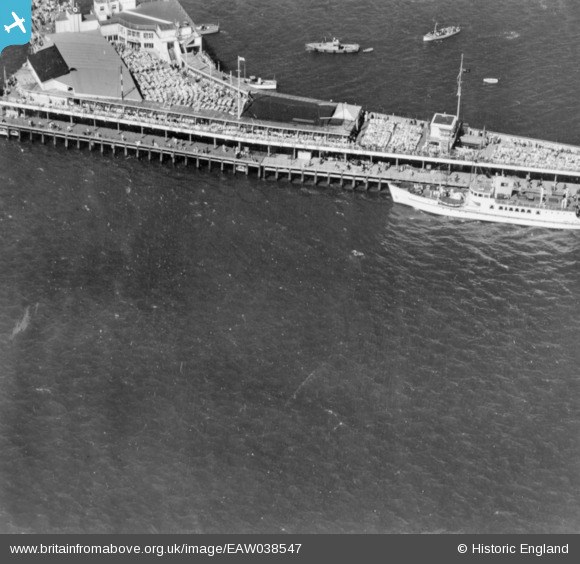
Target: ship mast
column 459, row 86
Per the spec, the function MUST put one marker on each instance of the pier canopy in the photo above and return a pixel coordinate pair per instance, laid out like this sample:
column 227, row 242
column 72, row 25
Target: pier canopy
column 298, row 111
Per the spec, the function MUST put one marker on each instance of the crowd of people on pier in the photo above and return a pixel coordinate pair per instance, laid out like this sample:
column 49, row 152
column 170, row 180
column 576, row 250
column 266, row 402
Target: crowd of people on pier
column 531, row 153
column 188, row 123
column 171, row 86
column 382, row 132
column 43, row 15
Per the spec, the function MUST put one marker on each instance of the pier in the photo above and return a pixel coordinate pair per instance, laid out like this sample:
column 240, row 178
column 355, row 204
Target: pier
column 348, row 169
column 195, row 114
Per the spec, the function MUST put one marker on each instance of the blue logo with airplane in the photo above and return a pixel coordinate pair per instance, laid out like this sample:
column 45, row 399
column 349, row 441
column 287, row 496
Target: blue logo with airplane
column 15, row 22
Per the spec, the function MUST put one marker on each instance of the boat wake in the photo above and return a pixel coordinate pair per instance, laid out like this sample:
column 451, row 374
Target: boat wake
column 22, row 324
column 511, row 35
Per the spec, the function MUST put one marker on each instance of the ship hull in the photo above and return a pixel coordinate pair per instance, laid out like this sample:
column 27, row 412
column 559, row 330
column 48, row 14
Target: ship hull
column 434, row 37
column 262, row 85
column 207, row 29
column 338, row 49
column 535, row 217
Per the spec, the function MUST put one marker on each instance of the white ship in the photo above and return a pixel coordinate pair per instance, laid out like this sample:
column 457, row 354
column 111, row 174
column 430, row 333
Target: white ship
column 208, row 29
column 442, row 33
column 498, row 199
column 257, row 83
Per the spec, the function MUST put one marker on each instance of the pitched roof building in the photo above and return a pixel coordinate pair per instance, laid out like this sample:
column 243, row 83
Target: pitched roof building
column 84, row 64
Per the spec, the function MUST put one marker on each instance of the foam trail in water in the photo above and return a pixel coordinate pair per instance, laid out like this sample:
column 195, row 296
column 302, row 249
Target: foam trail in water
column 22, row 324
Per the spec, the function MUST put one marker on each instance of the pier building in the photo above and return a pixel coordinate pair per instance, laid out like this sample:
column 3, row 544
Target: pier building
column 105, row 9
column 161, row 27
column 83, row 64
column 443, row 133
column 70, row 20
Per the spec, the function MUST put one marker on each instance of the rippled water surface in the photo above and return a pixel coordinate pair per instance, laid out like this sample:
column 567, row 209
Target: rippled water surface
column 184, row 351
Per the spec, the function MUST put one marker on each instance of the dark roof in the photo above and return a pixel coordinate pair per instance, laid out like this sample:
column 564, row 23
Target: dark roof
column 443, row 119
column 276, row 107
column 48, row 63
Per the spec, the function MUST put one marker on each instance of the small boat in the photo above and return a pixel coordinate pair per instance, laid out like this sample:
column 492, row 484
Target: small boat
column 491, row 80
column 442, row 33
column 368, row 50
column 207, row 29
column 499, row 199
column 261, row 84
column 334, row 46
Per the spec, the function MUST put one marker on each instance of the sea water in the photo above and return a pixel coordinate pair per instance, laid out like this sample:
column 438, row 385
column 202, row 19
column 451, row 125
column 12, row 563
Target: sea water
column 186, row 351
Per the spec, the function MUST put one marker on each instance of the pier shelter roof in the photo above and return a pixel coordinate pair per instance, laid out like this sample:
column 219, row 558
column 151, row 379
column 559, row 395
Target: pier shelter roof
column 95, row 66
column 48, row 63
column 135, row 21
column 295, row 110
column 165, row 14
